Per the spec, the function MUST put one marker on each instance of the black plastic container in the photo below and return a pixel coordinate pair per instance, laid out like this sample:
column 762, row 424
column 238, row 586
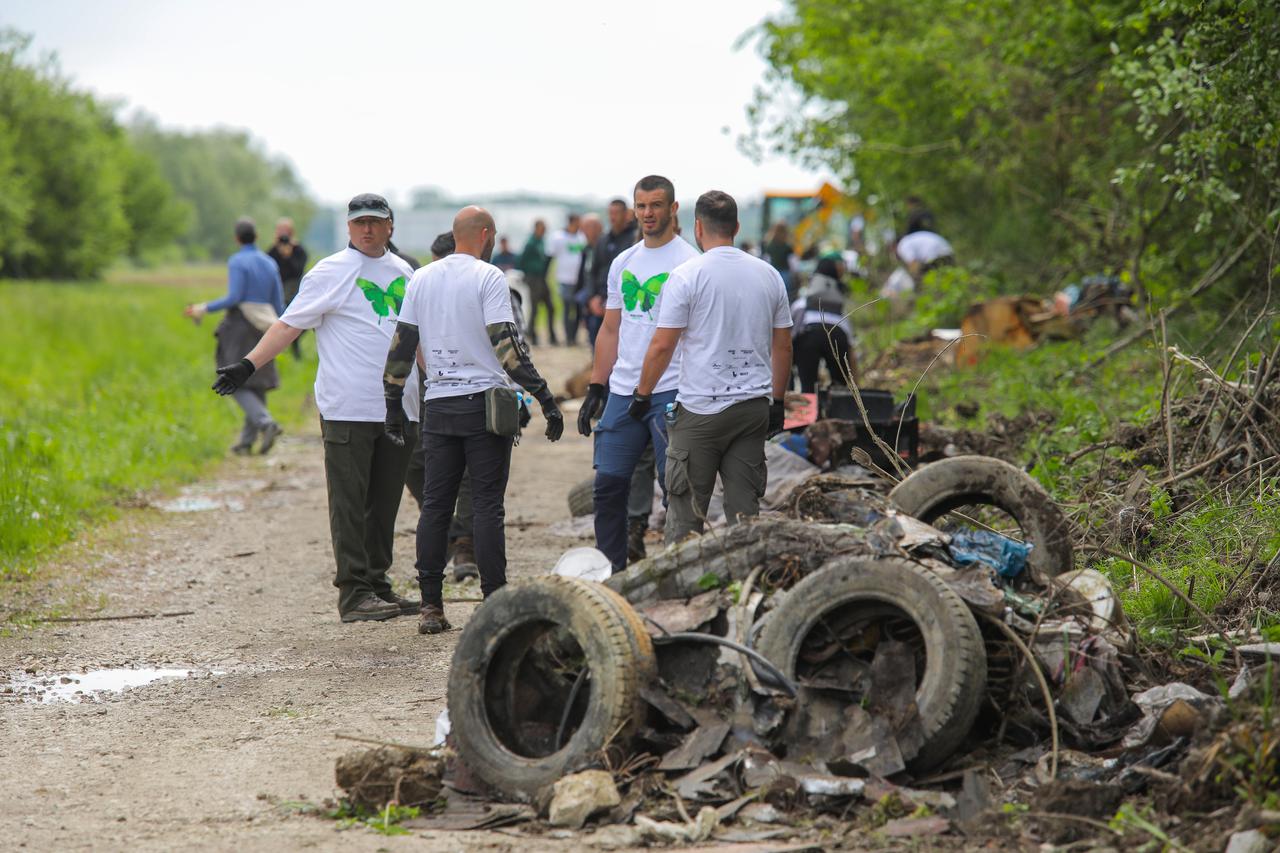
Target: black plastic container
column 891, row 422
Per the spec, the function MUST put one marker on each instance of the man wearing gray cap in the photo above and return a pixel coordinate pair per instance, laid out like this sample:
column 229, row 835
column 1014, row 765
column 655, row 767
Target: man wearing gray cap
column 352, row 300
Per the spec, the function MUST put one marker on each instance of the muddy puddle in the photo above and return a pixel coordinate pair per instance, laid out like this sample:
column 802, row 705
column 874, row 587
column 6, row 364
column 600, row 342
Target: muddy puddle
column 74, row 687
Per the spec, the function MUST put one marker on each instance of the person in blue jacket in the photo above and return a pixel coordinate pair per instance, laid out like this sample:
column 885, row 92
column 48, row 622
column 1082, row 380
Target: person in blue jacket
column 254, row 300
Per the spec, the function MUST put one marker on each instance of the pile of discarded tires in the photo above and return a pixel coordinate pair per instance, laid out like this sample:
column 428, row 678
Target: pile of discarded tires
column 552, row 675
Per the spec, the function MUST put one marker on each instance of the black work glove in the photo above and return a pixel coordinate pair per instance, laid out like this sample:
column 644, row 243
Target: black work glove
column 525, row 414
column 640, row 404
column 592, row 407
column 393, row 426
column 555, row 421
column 777, row 417
column 232, row 376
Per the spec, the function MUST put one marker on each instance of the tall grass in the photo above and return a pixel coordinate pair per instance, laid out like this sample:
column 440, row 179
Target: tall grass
column 104, row 390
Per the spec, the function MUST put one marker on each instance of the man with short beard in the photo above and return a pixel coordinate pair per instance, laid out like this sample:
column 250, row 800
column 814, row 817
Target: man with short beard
column 629, row 424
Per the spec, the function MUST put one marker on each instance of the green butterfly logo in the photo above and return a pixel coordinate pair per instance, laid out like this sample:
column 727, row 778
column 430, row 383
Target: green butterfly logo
column 386, row 301
column 643, row 295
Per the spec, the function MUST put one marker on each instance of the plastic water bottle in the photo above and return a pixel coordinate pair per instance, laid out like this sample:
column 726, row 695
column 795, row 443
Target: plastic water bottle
column 671, row 413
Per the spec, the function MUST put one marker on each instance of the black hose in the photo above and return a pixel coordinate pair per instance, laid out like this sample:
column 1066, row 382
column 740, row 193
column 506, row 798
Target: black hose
column 775, row 674
column 568, row 706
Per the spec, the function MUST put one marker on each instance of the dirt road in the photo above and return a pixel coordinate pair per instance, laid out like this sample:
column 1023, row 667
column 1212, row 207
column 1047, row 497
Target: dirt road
column 205, row 761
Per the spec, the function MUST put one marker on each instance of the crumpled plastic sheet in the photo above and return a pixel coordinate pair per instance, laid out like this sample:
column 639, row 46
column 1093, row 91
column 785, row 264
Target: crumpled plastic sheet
column 1007, row 557
column 1157, row 700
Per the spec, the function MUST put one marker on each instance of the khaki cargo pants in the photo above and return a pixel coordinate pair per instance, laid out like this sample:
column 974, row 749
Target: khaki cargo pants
column 730, row 444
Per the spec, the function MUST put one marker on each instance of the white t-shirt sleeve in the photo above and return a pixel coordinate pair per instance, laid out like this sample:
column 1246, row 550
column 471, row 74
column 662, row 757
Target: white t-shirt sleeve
column 314, row 300
column 782, row 318
column 409, row 309
column 613, row 301
column 673, row 313
column 496, row 299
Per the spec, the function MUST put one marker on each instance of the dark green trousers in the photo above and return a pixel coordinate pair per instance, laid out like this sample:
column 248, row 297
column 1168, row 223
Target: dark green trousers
column 364, row 473
column 700, row 447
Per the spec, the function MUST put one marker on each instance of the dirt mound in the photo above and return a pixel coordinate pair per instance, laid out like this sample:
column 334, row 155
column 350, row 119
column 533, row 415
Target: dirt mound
column 388, row 774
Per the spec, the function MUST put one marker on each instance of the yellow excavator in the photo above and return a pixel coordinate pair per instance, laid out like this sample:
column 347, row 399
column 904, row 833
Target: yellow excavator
column 818, row 219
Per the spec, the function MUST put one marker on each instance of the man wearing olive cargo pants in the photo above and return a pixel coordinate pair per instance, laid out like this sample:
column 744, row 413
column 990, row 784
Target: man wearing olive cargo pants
column 352, row 300
column 729, row 313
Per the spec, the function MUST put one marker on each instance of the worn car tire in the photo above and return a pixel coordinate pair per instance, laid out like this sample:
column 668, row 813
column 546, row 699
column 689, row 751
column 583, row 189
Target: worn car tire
column 582, row 499
column 488, row 700
column 955, row 671
column 942, row 486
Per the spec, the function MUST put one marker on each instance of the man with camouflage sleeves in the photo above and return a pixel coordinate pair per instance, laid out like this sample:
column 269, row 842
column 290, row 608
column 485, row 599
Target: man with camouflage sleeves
column 459, row 309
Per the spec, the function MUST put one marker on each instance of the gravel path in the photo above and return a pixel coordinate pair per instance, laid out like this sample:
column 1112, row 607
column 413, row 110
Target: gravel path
column 206, row 761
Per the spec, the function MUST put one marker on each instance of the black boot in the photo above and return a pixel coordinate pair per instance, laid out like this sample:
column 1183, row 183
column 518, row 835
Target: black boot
column 636, row 528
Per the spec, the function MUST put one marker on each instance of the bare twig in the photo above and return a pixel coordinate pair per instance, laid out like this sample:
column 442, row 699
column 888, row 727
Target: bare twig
column 117, row 618
column 1040, row 679
column 1087, row 449
column 1164, row 397
column 1196, row 469
column 1096, row 824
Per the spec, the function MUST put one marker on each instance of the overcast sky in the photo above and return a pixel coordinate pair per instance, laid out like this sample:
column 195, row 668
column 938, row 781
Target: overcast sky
column 576, row 98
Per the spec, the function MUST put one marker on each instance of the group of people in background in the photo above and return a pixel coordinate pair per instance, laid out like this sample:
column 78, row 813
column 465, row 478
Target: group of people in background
column 579, row 255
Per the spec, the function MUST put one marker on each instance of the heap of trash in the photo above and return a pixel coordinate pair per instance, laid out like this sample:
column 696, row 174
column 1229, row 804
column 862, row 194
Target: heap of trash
column 933, row 648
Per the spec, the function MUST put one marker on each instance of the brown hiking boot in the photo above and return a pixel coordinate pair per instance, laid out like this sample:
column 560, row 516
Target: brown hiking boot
column 464, row 559
column 636, row 529
column 407, row 605
column 431, row 620
column 371, row 609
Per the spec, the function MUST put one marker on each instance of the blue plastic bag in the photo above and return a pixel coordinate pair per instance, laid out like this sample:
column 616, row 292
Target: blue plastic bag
column 1007, row 557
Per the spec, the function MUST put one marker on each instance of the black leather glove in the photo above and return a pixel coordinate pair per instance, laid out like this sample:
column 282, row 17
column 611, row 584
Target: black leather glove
column 640, row 405
column 232, row 376
column 393, row 426
column 555, row 421
column 592, row 407
column 777, row 417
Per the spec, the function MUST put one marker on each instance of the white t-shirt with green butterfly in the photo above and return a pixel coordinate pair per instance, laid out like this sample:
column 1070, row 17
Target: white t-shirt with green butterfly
column 353, row 302
column 635, row 283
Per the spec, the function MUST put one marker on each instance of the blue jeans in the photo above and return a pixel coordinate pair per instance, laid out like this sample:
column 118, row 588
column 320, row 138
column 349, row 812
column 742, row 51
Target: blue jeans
column 620, row 441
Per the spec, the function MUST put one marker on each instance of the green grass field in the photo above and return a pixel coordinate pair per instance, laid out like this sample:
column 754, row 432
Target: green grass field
column 104, row 391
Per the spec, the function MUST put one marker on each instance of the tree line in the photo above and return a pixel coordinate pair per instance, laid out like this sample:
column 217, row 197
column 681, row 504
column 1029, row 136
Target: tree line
column 1138, row 137
column 79, row 188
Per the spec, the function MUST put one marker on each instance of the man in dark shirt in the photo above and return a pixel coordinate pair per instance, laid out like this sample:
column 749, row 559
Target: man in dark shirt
column 622, row 235
column 534, row 262
column 504, row 259
column 291, row 258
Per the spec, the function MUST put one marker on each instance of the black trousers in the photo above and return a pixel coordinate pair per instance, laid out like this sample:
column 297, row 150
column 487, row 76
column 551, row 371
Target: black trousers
column 540, row 294
column 812, row 347
column 454, row 443
column 416, row 475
